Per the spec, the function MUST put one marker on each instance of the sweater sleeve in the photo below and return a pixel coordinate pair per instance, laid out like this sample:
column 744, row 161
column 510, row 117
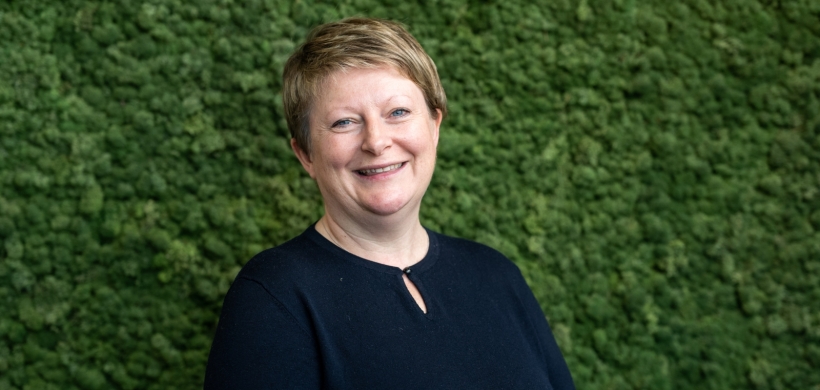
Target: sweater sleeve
column 259, row 344
column 557, row 369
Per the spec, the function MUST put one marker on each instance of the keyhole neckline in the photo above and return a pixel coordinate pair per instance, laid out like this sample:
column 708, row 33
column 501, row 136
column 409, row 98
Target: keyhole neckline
column 426, row 262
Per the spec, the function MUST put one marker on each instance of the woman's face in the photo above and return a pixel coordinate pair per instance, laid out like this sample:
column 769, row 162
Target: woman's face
column 373, row 143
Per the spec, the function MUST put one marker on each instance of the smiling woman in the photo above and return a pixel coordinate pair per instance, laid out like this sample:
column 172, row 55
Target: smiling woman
column 367, row 298
column 373, row 145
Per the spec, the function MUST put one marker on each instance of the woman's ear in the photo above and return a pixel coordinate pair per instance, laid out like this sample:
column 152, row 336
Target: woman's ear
column 303, row 156
column 437, row 124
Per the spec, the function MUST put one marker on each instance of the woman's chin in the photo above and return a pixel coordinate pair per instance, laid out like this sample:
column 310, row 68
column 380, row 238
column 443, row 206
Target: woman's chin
column 386, row 206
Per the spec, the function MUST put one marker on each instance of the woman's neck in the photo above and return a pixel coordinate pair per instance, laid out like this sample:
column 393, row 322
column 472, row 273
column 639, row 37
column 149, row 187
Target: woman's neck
column 399, row 244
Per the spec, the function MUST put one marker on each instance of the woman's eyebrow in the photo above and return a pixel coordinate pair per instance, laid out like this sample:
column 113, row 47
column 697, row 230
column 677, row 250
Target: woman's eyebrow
column 332, row 111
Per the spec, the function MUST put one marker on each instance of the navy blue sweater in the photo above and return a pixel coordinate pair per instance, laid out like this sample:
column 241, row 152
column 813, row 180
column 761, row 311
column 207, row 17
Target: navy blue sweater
column 309, row 315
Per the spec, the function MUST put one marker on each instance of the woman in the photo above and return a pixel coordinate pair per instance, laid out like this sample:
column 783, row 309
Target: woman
column 367, row 298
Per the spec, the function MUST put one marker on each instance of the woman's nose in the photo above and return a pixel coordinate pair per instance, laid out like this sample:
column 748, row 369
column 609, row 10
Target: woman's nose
column 377, row 138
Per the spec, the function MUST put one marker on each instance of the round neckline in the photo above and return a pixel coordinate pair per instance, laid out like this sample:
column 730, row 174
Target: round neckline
column 419, row 267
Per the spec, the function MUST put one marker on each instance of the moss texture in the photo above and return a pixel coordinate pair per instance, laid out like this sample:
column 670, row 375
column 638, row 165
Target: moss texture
column 653, row 167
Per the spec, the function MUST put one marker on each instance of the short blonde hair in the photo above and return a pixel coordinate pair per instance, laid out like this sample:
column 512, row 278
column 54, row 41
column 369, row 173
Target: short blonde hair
column 353, row 43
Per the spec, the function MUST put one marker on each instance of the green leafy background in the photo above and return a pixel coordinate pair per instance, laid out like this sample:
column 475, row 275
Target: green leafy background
column 653, row 167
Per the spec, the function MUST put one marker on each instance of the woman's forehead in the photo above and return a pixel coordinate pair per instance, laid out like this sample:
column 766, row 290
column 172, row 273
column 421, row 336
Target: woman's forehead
column 366, row 86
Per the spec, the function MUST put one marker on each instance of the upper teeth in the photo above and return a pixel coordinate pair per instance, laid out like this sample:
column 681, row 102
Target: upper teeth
column 379, row 170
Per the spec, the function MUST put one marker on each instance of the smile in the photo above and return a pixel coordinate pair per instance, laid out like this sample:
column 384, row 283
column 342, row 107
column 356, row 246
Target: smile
column 370, row 172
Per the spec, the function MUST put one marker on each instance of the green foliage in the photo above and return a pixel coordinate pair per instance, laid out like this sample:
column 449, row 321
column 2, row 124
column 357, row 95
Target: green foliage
column 651, row 166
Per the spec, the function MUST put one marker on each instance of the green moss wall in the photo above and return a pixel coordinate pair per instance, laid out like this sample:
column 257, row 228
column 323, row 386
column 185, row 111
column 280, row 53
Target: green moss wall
column 652, row 166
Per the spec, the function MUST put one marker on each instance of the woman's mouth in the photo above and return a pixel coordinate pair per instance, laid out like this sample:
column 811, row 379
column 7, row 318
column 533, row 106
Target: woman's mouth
column 374, row 171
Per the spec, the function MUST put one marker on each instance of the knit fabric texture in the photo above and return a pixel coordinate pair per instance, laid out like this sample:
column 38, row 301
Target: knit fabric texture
column 309, row 315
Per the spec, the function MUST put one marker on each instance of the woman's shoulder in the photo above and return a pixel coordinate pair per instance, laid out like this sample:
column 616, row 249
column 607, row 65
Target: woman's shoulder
column 474, row 254
column 292, row 262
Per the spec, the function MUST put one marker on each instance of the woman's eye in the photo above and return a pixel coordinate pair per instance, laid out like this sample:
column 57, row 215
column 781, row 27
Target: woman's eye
column 399, row 112
column 343, row 122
